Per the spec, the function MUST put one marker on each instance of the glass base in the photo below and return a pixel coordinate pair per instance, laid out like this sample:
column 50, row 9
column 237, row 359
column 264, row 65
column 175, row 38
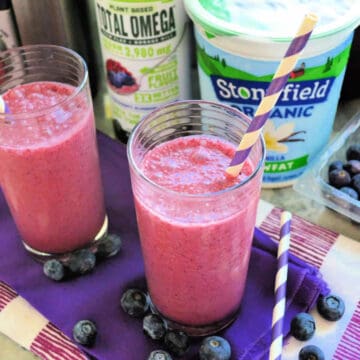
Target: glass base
column 194, row 330
column 42, row 256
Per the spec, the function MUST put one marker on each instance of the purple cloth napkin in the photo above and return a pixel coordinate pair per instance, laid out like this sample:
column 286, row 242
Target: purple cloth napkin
column 96, row 296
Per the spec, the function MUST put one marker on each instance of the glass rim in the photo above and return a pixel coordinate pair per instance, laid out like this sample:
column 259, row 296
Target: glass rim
column 16, row 51
column 148, row 117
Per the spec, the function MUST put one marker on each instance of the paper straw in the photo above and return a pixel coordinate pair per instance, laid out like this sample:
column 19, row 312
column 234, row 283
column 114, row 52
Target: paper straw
column 280, row 288
column 272, row 94
column 3, row 107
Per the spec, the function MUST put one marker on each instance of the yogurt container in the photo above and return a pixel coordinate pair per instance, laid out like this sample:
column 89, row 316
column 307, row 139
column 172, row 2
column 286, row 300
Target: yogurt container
column 145, row 48
column 239, row 47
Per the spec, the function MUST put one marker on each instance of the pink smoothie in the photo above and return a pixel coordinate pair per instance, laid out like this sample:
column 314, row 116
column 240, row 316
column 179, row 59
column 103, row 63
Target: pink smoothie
column 196, row 255
column 49, row 168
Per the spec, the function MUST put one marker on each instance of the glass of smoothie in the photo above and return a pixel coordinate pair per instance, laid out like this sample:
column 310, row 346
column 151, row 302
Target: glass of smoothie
column 195, row 222
column 49, row 163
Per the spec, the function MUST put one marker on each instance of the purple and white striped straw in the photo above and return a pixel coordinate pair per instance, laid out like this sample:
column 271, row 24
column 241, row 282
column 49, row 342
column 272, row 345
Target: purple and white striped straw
column 272, row 94
column 280, row 288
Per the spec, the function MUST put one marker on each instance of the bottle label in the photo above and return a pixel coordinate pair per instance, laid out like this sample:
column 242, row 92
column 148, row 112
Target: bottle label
column 143, row 44
column 8, row 37
column 300, row 124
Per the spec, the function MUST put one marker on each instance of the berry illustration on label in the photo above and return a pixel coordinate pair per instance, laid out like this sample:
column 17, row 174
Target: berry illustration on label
column 120, row 79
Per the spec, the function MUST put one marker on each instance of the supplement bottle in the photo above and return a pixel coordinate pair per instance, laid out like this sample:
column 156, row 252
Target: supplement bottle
column 145, row 51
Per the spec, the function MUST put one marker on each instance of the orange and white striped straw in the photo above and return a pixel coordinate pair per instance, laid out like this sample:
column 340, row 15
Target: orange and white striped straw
column 272, row 94
column 3, row 107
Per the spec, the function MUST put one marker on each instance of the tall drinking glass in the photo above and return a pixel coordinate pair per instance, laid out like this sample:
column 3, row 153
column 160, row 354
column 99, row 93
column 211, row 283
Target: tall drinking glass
column 195, row 224
column 49, row 164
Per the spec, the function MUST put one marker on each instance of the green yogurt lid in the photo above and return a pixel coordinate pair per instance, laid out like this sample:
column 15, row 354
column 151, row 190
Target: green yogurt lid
column 276, row 20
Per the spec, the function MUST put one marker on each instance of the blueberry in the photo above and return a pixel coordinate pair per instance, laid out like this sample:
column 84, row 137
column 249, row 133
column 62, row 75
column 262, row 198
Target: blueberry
column 116, row 78
column 353, row 152
column 109, row 246
column 350, row 192
column 352, row 167
column 81, row 261
column 159, row 355
column 111, row 76
column 177, row 342
column 331, row 307
column 302, row 326
column 134, row 302
column 355, row 183
column 84, row 332
column 311, row 352
column 215, row 348
column 54, row 269
column 339, row 178
column 128, row 80
column 337, row 164
column 154, row 326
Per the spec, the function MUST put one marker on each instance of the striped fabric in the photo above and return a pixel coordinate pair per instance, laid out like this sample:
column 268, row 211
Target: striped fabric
column 6, row 295
column 51, row 343
column 327, row 250
column 36, row 333
column 349, row 346
column 309, row 243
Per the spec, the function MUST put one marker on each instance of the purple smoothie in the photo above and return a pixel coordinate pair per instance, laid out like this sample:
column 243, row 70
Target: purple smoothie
column 196, row 259
column 49, row 167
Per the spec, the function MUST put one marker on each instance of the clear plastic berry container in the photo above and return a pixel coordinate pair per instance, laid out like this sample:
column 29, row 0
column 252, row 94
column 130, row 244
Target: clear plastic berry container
column 314, row 182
